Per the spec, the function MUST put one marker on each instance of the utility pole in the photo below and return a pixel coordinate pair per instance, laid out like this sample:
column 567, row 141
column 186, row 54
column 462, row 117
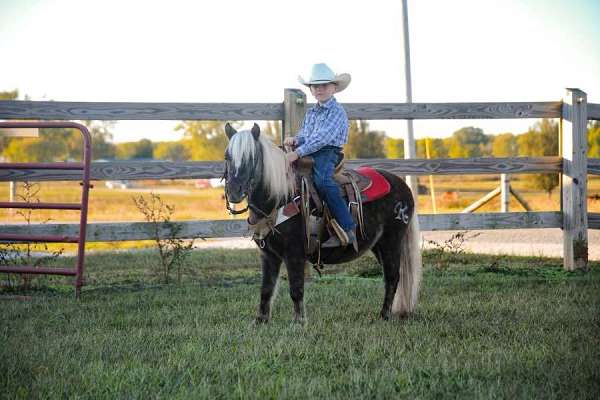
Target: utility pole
column 409, row 143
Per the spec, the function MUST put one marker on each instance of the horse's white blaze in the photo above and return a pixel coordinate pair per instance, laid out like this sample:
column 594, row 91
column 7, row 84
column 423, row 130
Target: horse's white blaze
column 277, row 176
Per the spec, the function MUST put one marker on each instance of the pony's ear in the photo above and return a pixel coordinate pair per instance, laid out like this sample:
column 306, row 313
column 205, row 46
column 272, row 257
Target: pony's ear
column 255, row 131
column 229, row 131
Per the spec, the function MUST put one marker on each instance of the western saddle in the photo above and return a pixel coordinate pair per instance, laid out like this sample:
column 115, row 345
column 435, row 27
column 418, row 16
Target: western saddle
column 316, row 216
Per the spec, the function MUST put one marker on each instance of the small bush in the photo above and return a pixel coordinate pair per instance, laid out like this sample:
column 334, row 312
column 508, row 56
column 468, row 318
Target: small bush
column 172, row 250
column 28, row 254
column 449, row 251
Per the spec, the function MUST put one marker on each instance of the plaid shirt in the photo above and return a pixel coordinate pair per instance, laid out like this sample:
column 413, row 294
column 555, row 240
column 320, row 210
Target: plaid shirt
column 324, row 124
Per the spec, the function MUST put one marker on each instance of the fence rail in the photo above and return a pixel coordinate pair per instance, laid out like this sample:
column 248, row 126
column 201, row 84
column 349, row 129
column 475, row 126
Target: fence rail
column 64, row 110
column 120, row 231
column 573, row 165
column 138, row 170
column 594, row 111
column 593, row 166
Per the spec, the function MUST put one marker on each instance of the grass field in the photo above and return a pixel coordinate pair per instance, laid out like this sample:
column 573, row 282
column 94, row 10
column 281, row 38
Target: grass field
column 486, row 327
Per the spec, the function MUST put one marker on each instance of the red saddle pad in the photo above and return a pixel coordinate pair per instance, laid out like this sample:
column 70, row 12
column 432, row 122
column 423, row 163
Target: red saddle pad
column 379, row 185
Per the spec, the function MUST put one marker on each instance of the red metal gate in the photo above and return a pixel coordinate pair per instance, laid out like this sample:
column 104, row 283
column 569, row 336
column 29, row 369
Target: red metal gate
column 84, row 167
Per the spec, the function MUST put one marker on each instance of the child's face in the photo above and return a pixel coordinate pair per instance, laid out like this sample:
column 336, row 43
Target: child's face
column 323, row 92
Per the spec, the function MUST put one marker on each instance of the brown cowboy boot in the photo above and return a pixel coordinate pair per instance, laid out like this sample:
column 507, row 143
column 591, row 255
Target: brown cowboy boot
column 334, row 241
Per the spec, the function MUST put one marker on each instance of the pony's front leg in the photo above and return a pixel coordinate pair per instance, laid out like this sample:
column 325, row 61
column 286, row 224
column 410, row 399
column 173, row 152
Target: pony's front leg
column 295, row 271
column 270, row 274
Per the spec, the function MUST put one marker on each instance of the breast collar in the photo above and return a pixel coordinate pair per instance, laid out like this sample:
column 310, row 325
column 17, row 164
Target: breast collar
column 263, row 225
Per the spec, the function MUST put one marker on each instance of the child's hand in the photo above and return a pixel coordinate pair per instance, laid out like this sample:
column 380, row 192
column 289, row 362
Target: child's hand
column 291, row 157
column 289, row 141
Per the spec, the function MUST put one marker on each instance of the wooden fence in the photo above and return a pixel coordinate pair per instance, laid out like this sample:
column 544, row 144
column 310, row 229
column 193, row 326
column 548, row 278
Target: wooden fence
column 573, row 164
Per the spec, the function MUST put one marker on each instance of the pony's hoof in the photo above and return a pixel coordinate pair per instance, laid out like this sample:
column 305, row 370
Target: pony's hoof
column 299, row 321
column 261, row 320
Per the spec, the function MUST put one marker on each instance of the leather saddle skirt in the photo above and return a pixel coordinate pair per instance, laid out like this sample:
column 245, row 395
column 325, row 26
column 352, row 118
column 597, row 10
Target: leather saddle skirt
column 372, row 184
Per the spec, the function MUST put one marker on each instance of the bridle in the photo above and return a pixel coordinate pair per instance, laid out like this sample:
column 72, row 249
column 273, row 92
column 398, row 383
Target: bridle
column 233, row 211
column 250, row 206
column 249, row 189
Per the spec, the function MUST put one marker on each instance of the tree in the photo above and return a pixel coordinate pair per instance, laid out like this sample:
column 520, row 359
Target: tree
column 394, row 148
column 468, row 142
column 273, row 131
column 142, row 149
column 10, row 95
column 363, row 143
column 50, row 146
column 436, row 148
column 541, row 140
column 504, row 145
column 102, row 146
column 594, row 139
column 207, row 139
column 421, row 148
column 172, row 151
column 57, row 144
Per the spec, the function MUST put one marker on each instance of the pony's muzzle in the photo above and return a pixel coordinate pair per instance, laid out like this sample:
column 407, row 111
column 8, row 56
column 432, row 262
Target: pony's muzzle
column 236, row 197
column 235, row 190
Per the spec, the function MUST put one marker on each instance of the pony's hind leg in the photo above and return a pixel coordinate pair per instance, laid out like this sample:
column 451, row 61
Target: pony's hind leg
column 388, row 254
column 295, row 270
column 270, row 274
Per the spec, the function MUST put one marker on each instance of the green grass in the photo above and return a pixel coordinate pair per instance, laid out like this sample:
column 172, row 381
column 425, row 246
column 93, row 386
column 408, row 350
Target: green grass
column 486, row 327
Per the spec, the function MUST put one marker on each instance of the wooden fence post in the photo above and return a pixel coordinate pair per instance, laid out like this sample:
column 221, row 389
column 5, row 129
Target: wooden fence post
column 12, row 190
column 505, row 193
column 294, row 108
column 574, row 179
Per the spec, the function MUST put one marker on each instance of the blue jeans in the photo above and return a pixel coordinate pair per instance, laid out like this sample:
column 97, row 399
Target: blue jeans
column 325, row 161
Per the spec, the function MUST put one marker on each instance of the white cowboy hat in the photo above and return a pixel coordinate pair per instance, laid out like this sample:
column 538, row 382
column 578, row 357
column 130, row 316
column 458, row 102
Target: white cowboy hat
column 321, row 74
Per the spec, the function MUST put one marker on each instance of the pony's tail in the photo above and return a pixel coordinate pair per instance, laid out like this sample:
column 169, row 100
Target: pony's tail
column 411, row 264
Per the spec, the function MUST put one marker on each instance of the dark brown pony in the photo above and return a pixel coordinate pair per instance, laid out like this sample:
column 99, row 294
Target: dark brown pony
column 256, row 170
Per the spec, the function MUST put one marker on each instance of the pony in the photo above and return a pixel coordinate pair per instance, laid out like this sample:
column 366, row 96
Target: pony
column 256, row 170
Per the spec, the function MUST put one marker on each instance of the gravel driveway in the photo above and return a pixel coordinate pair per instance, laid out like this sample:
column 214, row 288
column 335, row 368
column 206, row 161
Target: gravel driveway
column 526, row 242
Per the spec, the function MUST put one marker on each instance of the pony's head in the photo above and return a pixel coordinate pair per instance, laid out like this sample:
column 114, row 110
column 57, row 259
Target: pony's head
column 253, row 162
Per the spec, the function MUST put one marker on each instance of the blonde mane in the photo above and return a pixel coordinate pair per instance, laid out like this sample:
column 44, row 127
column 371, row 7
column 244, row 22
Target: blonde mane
column 278, row 177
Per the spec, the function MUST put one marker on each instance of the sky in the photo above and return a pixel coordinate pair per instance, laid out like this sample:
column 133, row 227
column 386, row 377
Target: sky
column 249, row 51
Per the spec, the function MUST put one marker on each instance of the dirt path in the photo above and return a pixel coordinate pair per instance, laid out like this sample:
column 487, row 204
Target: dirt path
column 528, row 242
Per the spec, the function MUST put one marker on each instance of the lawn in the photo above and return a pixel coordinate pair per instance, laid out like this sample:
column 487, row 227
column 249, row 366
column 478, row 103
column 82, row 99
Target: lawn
column 486, row 327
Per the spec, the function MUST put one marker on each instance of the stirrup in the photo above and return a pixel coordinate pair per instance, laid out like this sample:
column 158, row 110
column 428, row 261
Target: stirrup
column 339, row 234
column 333, row 241
column 353, row 240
